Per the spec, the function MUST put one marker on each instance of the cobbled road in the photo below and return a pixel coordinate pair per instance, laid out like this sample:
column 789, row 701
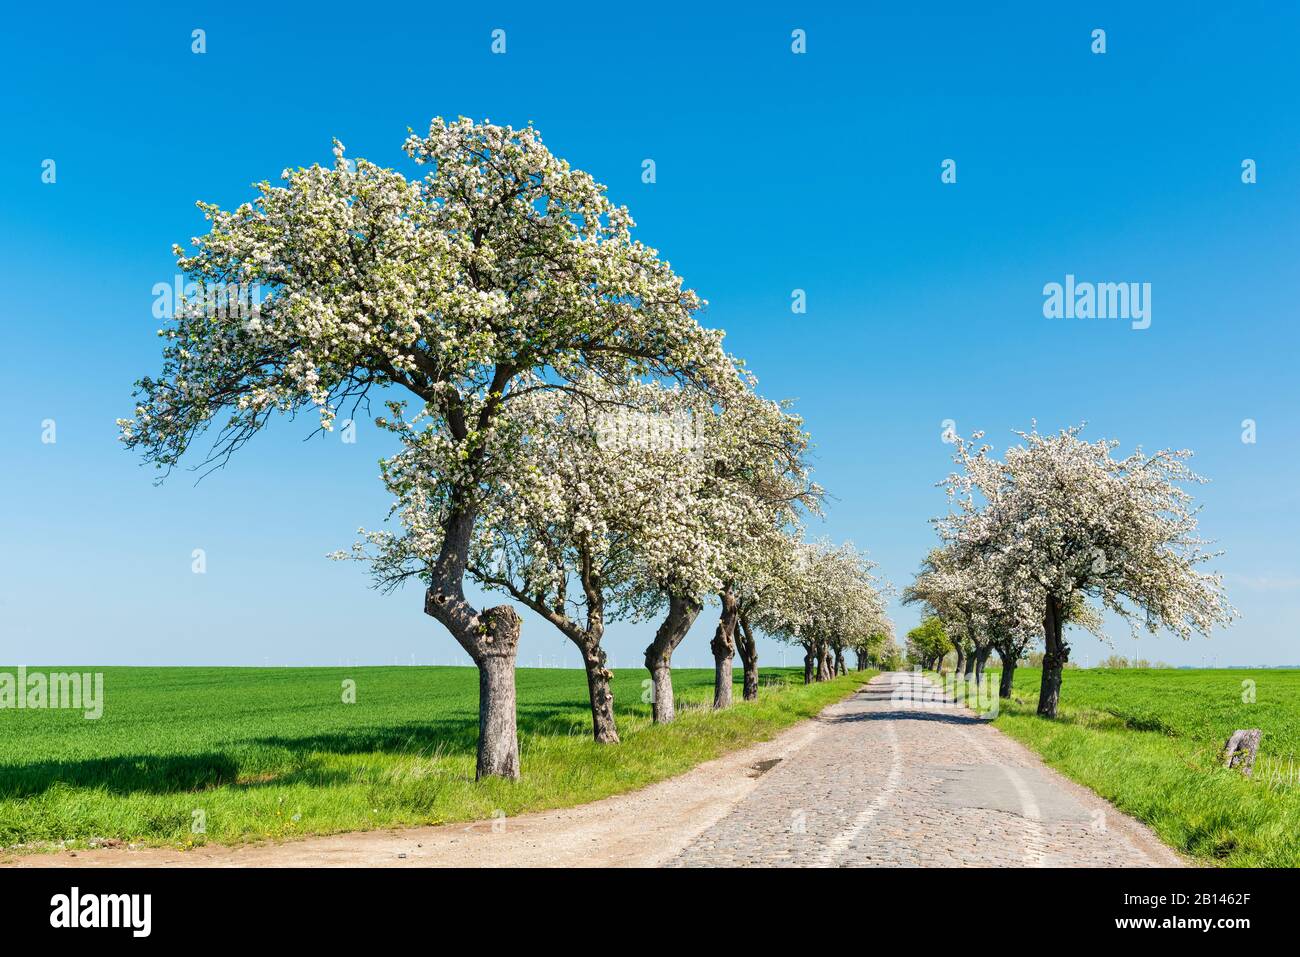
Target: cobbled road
column 901, row 776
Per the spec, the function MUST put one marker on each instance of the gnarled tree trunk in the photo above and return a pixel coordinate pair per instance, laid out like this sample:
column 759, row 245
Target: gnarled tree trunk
column 602, row 695
column 1055, row 655
column 491, row 638
column 594, row 659
column 682, row 613
column 981, row 659
column 587, row 639
column 498, row 735
column 808, row 659
column 970, row 665
column 961, row 658
column 823, row 663
column 748, row 649
column 723, row 647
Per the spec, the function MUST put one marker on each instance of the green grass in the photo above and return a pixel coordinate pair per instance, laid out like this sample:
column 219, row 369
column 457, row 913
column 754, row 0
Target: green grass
column 1150, row 742
column 273, row 753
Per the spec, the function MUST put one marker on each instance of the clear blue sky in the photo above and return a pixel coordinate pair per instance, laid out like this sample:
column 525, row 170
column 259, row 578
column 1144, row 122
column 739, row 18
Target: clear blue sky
column 775, row 171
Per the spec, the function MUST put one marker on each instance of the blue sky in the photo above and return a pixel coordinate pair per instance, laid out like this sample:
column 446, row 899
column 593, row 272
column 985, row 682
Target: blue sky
column 775, row 172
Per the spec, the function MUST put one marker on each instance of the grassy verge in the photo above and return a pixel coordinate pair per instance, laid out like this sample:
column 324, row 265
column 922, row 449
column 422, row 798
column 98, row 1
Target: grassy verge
column 274, row 753
column 1149, row 741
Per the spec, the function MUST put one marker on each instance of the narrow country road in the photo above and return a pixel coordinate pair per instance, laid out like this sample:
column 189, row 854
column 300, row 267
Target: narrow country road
column 928, row 785
column 893, row 776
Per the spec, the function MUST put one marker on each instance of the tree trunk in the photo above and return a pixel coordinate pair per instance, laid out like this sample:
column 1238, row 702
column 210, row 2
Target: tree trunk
column 1055, row 656
column 490, row 638
column 981, row 659
column 682, row 613
column 594, row 660
column 1008, row 675
column 807, row 664
column 723, row 647
column 602, row 696
column 493, row 650
column 498, row 737
column 748, row 648
column 823, row 664
column 723, row 671
column 961, row 658
column 970, row 665
column 862, row 661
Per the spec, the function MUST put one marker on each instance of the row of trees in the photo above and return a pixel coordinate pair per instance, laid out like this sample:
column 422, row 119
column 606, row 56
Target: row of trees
column 1052, row 534
column 569, row 435
column 828, row 602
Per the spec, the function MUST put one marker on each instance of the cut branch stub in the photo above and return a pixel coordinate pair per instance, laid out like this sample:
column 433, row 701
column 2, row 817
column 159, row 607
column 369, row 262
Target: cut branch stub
column 1240, row 750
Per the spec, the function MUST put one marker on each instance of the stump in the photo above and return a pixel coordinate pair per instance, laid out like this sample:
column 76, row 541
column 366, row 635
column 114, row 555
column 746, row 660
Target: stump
column 1240, row 750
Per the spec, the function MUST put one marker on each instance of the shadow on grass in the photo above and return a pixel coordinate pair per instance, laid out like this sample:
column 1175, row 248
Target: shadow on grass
column 287, row 759
column 250, row 763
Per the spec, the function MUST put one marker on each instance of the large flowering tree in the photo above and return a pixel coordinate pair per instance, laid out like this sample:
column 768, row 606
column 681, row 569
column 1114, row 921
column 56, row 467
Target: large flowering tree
column 786, row 611
column 756, row 459
column 1063, row 519
column 503, row 271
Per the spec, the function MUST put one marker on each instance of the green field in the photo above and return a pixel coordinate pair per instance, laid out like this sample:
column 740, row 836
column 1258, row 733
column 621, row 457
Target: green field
column 1150, row 742
column 273, row 753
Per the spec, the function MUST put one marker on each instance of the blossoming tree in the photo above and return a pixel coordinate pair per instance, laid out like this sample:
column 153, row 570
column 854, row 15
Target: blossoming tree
column 1062, row 518
column 755, row 453
column 502, row 272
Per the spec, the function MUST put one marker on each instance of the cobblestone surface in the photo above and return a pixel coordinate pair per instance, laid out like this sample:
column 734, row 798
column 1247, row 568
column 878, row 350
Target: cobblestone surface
column 900, row 777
